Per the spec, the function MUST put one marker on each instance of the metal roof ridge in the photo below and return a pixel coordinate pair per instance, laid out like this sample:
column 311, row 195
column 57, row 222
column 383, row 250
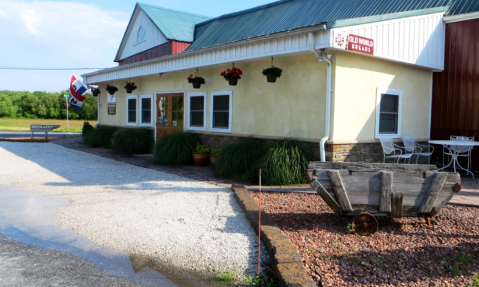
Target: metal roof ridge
column 173, row 10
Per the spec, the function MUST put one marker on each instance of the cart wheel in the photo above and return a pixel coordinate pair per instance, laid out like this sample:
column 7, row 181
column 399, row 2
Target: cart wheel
column 365, row 223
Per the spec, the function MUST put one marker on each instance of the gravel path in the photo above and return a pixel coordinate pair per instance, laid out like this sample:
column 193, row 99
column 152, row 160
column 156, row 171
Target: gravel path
column 403, row 252
column 177, row 223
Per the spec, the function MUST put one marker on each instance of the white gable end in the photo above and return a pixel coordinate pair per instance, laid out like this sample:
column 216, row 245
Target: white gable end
column 153, row 37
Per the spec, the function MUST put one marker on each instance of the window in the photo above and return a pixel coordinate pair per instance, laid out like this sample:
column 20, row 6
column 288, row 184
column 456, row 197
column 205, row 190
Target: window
column 141, row 35
column 388, row 113
column 197, row 111
column 145, row 108
column 221, row 111
column 131, row 108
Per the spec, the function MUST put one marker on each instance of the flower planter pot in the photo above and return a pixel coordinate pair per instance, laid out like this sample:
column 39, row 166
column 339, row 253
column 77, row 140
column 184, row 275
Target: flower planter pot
column 233, row 81
column 213, row 161
column 111, row 93
column 95, row 92
column 200, row 158
column 129, row 90
column 196, row 85
column 271, row 78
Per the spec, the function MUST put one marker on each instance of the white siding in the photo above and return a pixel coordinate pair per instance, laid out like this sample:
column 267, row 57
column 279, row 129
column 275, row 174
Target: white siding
column 416, row 40
column 276, row 46
column 154, row 36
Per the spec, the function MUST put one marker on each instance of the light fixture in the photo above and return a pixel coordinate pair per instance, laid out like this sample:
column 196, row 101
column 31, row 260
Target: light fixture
column 159, row 75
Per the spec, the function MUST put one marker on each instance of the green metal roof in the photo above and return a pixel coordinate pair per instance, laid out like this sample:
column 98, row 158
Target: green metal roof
column 287, row 15
column 175, row 25
column 463, row 6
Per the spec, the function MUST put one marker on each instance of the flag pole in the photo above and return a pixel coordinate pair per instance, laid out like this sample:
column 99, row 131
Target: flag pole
column 66, row 102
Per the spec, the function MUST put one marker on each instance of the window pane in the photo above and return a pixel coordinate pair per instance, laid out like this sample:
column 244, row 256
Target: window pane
column 196, row 119
column 146, row 111
column 221, row 103
column 197, row 103
column 132, row 110
column 388, row 123
column 389, row 103
column 221, row 120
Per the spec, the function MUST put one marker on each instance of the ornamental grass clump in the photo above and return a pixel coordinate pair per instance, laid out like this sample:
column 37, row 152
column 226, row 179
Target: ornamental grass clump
column 284, row 162
column 133, row 141
column 86, row 131
column 237, row 160
column 101, row 136
column 176, row 148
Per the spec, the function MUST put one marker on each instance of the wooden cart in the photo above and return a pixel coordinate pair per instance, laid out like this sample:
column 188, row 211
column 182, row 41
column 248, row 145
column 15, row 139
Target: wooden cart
column 366, row 190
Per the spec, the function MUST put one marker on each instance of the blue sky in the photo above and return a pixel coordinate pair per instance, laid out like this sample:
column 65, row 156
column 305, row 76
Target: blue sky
column 75, row 34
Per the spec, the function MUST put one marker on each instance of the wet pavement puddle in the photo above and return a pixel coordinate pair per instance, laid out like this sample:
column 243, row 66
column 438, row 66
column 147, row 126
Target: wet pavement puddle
column 27, row 218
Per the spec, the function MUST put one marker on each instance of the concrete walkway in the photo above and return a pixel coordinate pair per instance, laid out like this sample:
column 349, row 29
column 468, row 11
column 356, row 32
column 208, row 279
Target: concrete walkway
column 468, row 196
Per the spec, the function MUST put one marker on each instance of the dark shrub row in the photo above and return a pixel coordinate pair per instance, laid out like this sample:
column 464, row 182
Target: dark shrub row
column 127, row 141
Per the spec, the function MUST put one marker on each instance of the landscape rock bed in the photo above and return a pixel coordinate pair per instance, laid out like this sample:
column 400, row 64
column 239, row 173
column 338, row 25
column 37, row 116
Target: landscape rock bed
column 403, row 252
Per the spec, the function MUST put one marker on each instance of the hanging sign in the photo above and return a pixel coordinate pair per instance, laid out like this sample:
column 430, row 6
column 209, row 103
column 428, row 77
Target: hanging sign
column 112, row 109
column 355, row 43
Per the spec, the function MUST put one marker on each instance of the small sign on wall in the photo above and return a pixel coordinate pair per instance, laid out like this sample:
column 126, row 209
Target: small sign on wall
column 355, row 43
column 112, row 109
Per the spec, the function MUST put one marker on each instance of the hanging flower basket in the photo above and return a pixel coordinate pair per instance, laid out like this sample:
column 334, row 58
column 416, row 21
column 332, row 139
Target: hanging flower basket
column 272, row 73
column 232, row 75
column 130, row 86
column 95, row 91
column 196, row 81
column 111, row 89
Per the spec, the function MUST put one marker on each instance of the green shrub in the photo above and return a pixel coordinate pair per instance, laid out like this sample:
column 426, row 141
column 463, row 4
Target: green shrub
column 133, row 141
column 101, row 136
column 237, row 160
column 176, row 148
column 285, row 162
column 86, row 131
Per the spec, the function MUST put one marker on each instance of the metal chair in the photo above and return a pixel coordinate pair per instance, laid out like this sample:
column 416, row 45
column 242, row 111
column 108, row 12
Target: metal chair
column 410, row 145
column 464, row 151
column 392, row 150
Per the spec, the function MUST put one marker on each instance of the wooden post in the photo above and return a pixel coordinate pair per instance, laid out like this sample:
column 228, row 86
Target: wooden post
column 433, row 192
column 339, row 190
column 326, row 196
column 396, row 205
column 386, row 189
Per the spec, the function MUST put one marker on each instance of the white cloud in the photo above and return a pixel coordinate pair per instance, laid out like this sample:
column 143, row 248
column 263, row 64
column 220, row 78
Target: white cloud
column 58, row 34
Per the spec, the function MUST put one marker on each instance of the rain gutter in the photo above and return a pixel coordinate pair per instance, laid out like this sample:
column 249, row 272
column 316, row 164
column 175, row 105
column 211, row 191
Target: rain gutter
column 322, row 56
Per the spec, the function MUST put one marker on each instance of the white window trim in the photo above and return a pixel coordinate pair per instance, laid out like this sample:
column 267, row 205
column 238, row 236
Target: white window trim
column 197, row 94
column 140, row 110
column 222, row 93
column 136, row 120
column 398, row 93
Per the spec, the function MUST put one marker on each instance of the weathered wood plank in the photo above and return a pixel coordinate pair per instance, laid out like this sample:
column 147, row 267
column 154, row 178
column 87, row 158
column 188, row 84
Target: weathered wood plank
column 339, row 190
column 386, row 189
column 330, row 201
column 396, row 204
column 433, row 192
column 363, row 166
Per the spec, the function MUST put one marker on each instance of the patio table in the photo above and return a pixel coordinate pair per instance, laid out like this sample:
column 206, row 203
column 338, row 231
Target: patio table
column 454, row 158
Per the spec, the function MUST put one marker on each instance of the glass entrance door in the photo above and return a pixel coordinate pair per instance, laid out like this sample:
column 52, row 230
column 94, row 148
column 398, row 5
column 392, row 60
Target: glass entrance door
column 169, row 113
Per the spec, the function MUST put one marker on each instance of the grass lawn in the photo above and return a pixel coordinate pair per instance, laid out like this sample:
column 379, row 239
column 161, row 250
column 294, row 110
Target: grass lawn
column 24, row 124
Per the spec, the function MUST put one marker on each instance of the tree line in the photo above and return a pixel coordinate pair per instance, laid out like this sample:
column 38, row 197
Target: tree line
column 43, row 105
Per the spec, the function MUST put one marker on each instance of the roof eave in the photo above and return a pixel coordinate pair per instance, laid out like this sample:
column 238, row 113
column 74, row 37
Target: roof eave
column 461, row 17
column 384, row 17
column 314, row 28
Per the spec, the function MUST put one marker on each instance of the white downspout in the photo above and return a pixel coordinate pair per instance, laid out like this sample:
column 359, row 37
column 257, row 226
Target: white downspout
column 327, row 128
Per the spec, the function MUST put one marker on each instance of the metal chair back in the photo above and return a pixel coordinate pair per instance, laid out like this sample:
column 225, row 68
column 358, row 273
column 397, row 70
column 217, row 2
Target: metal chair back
column 461, row 149
column 387, row 144
column 409, row 143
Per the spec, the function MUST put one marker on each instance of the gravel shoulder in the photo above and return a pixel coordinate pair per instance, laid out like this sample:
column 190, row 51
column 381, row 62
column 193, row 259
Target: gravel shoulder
column 176, row 223
column 403, row 252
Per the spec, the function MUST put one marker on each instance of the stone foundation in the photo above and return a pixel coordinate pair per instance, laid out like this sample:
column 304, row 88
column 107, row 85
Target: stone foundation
column 361, row 152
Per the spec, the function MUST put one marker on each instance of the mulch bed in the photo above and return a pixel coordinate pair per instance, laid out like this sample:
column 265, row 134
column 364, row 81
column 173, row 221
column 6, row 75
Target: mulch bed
column 403, row 252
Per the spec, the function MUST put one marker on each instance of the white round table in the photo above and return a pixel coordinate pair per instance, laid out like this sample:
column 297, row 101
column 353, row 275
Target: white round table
column 454, row 153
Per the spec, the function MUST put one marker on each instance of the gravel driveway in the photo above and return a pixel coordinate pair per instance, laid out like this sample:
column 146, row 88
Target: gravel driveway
column 172, row 223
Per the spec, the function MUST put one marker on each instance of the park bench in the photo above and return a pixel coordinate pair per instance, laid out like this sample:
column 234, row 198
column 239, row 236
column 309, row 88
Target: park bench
column 43, row 128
